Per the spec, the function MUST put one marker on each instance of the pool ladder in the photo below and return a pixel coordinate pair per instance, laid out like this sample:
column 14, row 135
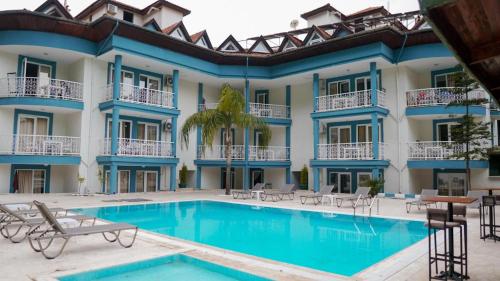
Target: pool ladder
column 371, row 202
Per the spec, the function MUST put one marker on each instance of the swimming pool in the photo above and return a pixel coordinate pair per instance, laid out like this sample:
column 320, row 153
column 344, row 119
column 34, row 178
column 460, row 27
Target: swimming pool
column 176, row 267
column 341, row 244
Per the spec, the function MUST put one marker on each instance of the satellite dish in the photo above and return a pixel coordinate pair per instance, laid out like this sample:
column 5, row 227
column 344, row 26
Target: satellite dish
column 294, row 23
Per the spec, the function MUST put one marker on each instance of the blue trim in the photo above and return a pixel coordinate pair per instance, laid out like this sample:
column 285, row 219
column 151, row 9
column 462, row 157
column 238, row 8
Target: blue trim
column 243, row 163
column 13, row 168
column 246, row 137
column 315, row 137
column 173, row 136
column 135, row 122
column 175, row 87
column 434, row 73
column 20, row 65
column 351, row 78
column 434, row 50
column 136, row 161
column 446, row 164
column 278, row 121
column 375, row 133
column 133, row 175
column 46, row 39
column 351, row 112
column 315, row 90
column 198, row 177
column 354, row 125
column 39, row 159
column 35, row 101
column 173, row 177
column 265, row 93
column 136, row 71
column 113, row 179
column 201, row 100
column 316, row 175
column 350, row 164
column 109, row 105
column 476, row 110
column 48, row 115
column 288, row 97
column 374, row 83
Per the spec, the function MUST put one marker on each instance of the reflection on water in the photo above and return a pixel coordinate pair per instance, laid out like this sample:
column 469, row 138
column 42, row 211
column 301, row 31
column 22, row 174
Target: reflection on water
column 341, row 244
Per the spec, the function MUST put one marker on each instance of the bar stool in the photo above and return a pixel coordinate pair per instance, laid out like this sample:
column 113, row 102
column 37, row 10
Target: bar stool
column 488, row 202
column 459, row 216
column 437, row 219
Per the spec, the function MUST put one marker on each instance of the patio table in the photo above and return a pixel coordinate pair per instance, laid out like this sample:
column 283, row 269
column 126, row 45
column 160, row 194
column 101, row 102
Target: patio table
column 450, row 200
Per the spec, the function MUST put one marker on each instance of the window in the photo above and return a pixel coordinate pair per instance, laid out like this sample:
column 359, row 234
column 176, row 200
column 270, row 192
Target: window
column 315, row 39
column 258, row 138
column 126, row 77
column 33, row 125
column 445, row 80
column 496, row 133
column 494, row 166
column 363, row 83
column 444, row 131
column 146, row 82
column 146, row 131
column 364, row 179
column 338, row 87
column 29, row 181
column 146, row 181
column 128, row 16
column 262, row 97
column 365, row 133
column 340, row 135
column 289, row 46
column 202, row 42
column 124, row 129
column 342, row 180
column 230, row 47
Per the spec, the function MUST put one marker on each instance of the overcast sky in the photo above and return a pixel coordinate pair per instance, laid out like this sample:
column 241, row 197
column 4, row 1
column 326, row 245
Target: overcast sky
column 243, row 19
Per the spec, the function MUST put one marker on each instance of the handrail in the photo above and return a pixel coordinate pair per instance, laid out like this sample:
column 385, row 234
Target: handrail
column 48, row 88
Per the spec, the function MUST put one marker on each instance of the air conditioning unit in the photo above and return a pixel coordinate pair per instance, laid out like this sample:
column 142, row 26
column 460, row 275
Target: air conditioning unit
column 112, row 9
column 167, row 126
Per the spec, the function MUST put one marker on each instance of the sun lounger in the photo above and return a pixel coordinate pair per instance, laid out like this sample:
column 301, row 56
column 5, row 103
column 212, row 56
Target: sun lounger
column 13, row 227
column 317, row 196
column 247, row 194
column 476, row 194
column 426, row 193
column 25, row 209
column 275, row 195
column 41, row 241
column 362, row 193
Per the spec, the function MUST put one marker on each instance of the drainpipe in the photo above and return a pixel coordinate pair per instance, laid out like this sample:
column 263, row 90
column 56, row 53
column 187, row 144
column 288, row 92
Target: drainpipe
column 398, row 114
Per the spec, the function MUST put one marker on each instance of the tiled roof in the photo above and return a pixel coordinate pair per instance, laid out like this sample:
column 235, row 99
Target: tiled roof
column 318, row 30
column 369, row 11
column 230, row 38
column 197, row 36
column 59, row 6
column 257, row 42
column 97, row 4
column 321, row 9
column 168, row 30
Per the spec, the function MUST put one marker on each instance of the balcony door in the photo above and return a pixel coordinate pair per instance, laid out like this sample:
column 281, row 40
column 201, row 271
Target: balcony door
column 340, row 180
column 147, row 131
column 147, row 82
column 338, row 87
column 223, row 179
column 123, row 181
column 340, row 135
column 37, row 78
column 32, row 132
column 451, row 184
column 146, row 181
column 364, row 133
column 124, row 129
column 262, row 97
column 363, row 83
column 29, row 181
column 444, row 131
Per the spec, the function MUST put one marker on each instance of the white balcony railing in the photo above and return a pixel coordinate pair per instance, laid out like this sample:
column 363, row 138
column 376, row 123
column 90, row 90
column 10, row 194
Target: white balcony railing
column 269, row 153
column 139, row 148
column 270, row 110
column 348, row 100
column 436, row 150
column 41, row 88
column 440, row 96
column 350, row 151
column 205, row 106
column 135, row 94
column 39, row 145
column 218, row 152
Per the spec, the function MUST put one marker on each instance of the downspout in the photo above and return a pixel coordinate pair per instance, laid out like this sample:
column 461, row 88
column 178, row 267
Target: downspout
column 107, row 39
column 398, row 114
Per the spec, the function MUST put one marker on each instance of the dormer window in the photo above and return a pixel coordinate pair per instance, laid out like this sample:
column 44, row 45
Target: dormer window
column 202, row 42
column 178, row 34
column 128, row 16
column 315, row 39
column 230, row 47
column 289, row 46
column 54, row 13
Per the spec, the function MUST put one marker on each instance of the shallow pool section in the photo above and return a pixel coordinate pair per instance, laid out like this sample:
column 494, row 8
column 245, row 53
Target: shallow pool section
column 176, row 267
column 341, row 244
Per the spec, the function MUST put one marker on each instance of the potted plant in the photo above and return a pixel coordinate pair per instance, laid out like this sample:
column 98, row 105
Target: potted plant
column 183, row 173
column 81, row 180
column 375, row 186
column 304, row 178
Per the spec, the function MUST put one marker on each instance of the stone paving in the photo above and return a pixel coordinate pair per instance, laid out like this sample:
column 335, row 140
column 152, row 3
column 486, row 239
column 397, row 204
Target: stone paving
column 19, row 262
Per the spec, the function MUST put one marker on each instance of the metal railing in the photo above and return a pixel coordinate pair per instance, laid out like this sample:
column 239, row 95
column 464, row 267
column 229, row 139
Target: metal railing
column 39, row 145
column 440, row 96
column 218, row 152
column 205, row 106
column 139, row 148
column 348, row 100
column 135, row 94
column 349, row 151
column 434, row 150
column 270, row 110
column 41, row 88
column 269, row 153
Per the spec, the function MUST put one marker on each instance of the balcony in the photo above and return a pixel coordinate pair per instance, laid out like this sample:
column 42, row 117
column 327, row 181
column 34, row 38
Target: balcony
column 137, row 95
column 218, row 152
column 352, row 100
column 350, row 151
column 139, row 148
column 42, row 145
column 276, row 111
column 269, row 153
column 440, row 96
column 433, row 150
column 41, row 91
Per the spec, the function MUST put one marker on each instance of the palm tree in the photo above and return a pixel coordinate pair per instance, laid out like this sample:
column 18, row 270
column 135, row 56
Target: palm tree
column 229, row 113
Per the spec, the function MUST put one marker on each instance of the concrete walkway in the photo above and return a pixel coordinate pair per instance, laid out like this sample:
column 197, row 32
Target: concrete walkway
column 19, row 262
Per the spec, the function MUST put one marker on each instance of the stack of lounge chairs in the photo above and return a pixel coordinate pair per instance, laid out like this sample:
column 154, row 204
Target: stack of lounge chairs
column 42, row 226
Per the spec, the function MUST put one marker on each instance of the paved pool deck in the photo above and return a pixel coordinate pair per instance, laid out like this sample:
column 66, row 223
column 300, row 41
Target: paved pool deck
column 19, row 262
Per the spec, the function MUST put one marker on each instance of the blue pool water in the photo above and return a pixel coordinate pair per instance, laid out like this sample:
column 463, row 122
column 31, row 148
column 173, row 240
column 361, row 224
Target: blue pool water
column 340, row 244
column 177, row 267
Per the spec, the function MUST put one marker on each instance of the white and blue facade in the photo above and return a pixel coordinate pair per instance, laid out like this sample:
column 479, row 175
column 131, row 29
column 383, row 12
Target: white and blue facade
column 374, row 108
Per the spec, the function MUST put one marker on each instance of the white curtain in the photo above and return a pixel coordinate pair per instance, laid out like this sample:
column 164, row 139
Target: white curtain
column 25, row 181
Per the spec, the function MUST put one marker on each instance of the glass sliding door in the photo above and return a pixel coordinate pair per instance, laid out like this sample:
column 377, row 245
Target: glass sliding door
column 29, row 181
column 340, row 135
column 31, row 134
column 124, row 181
column 451, row 184
column 37, row 78
column 341, row 180
column 146, row 181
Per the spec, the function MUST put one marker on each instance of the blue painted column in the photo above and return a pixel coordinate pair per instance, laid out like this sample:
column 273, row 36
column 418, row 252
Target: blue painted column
column 288, row 99
column 374, row 82
column 198, row 177
column 246, row 172
column 173, row 177
column 175, row 87
column 315, row 90
column 173, row 136
column 375, row 173
column 375, row 132
column 115, row 123
column 198, row 136
column 316, row 179
column 288, row 137
column 315, row 137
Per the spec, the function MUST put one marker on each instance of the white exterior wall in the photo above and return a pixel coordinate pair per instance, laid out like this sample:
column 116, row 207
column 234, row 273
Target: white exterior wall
column 323, row 18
